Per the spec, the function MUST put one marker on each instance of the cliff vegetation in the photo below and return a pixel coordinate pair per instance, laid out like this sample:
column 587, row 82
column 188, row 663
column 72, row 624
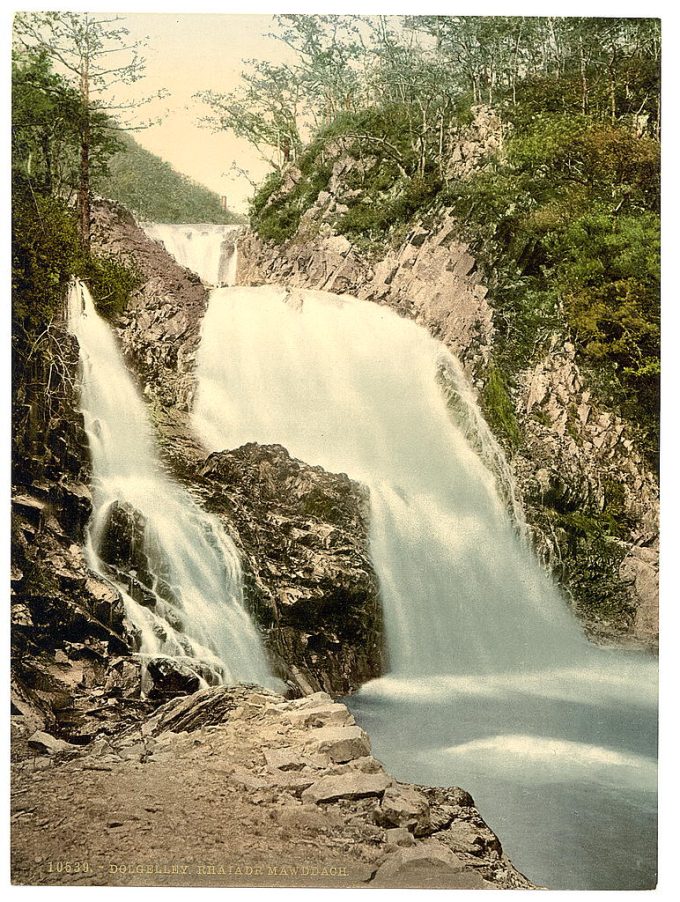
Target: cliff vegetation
column 560, row 204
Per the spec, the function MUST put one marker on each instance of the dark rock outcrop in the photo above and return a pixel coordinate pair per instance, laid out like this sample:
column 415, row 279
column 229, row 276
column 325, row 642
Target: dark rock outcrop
column 303, row 533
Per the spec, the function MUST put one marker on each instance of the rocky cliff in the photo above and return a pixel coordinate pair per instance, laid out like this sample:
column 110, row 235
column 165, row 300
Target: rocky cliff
column 591, row 500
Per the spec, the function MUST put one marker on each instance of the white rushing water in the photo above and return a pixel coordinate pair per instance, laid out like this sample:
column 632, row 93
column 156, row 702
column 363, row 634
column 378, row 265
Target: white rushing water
column 492, row 685
column 195, row 611
column 207, row 249
column 353, row 387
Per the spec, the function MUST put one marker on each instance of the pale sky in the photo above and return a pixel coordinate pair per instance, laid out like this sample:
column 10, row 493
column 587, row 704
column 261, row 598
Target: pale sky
column 187, row 53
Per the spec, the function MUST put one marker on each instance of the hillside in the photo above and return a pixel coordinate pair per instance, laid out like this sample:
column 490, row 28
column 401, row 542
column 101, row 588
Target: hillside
column 153, row 190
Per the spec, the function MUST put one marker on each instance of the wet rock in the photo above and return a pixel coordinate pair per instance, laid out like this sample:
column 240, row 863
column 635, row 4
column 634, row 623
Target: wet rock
column 171, row 678
column 122, row 542
column 73, row 505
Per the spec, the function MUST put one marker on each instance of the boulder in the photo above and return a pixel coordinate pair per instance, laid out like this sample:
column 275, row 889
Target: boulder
column 425, row 864
column 340, row 744
column 122, row 542
column 171, row 678
column 46, row 744
column 404, row 806
column 351, row 785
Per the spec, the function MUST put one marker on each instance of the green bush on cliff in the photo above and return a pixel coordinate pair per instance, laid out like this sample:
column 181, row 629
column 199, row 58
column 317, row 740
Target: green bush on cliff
column 111, row 282
column 498, row 408
column 46, row 254
column 567, row 229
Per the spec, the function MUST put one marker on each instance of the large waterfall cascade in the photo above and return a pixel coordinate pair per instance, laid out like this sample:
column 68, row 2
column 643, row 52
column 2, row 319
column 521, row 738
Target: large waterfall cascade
column 197, row 613
column 207, row 249
column 492, row 685
column 354, row 387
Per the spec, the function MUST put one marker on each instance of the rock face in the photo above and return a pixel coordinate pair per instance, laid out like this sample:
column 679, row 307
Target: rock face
column 160, row 330
column 239, row 786
column 579, row 465
column 303, row 533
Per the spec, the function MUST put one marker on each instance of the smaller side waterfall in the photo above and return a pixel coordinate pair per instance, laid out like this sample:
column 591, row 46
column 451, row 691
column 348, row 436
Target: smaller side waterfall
column 183, row 594
column 207, row 249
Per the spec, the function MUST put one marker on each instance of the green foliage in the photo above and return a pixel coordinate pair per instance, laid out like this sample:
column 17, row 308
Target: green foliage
column 111, row 282
column 385, row 189
column 47, row 123
column 498, row 408
column 153, row 190
column 45, row 254
column 568, row 230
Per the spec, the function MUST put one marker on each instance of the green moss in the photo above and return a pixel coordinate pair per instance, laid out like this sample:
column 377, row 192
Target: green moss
column 111, row 282
column 498, row 408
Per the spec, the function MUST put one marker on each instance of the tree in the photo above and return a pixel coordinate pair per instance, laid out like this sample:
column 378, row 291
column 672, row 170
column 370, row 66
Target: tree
column 328, row 50
column 46, row 115
column 263, row 110
column 94, row 54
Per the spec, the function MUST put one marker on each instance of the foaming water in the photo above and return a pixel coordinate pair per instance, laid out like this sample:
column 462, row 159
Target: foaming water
column 207, row 249
column 492, row 685
column 193, row 607
column 562, row 764
column 353, row 387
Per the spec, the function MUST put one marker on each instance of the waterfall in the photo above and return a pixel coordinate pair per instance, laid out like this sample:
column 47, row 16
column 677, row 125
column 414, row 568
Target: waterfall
column 190, row 583
column 491, row 683
column 207, row 249
column 353, row 387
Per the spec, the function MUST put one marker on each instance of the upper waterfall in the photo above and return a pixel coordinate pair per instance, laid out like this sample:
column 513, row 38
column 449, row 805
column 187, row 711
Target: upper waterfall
column 192, row 590
column 356, row 388
column 207, row 249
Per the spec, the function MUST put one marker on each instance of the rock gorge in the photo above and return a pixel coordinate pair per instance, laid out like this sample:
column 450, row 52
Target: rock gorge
column 302, row 534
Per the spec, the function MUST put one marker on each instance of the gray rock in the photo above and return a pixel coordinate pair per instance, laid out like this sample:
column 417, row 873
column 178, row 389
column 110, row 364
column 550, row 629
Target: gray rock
column 341, row 744
column 427, row 863
column 399, row 836
column 46, row 744
column 353, row 785
column 404, row 806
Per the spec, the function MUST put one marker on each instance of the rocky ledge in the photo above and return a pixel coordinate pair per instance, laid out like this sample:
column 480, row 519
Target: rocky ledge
column 238, row 786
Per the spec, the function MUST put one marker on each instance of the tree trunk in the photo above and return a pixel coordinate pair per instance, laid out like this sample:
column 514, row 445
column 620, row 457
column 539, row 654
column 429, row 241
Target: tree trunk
column 84, row 185
column 584, row 82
